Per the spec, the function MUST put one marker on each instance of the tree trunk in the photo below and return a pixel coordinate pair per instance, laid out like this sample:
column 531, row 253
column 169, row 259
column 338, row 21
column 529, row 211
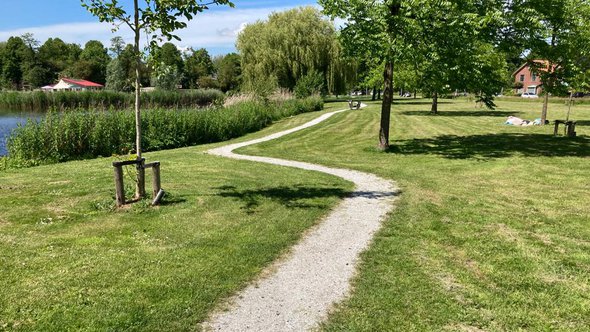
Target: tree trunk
column 569, row 107
column 374, row 94
column 434, row 108
column 386, row 105
column 379, row 94
column 140, row 188
column 415, row 94
column 544, row 112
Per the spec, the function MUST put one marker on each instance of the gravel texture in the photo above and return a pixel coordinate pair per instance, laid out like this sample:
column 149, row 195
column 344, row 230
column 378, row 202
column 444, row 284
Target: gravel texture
column 297, row 292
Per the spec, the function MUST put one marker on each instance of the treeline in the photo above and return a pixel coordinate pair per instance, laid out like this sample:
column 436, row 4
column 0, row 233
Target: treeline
column 61, row 100
column 62, row 136
column 26, row 64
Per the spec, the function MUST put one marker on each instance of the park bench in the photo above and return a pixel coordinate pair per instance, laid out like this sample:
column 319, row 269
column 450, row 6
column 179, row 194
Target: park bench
column 569, row 130
column 354, row 104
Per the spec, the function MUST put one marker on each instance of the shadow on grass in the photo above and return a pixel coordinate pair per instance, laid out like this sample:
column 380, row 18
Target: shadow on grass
column 292, row 197
column 495, row 146
column 462, row 113
column 418, row 102
column 172, row 199
column 584, row 123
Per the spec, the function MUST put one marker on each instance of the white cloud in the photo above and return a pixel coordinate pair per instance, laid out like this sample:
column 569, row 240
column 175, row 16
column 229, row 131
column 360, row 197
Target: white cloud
column 215, row 29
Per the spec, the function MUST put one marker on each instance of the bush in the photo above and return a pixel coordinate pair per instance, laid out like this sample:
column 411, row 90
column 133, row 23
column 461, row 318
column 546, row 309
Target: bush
column 310, row 84
column 41, row 101
column 62, row 136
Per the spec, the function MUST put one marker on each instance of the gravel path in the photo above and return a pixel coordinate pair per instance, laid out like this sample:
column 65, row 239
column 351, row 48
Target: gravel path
column 299, row 290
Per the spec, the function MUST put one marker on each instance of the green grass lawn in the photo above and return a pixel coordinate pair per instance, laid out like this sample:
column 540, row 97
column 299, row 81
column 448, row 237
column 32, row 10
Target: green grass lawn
column 492, row 230
column 69, row 262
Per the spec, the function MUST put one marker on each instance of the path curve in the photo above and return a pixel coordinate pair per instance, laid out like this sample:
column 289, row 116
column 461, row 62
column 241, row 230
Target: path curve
column 300, row 289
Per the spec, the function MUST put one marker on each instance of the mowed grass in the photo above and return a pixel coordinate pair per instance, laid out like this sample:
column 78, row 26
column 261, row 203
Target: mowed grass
column 69, row 262
column 492, row 229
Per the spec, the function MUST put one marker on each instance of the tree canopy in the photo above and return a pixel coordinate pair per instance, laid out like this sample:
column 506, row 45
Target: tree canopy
column 288, row 46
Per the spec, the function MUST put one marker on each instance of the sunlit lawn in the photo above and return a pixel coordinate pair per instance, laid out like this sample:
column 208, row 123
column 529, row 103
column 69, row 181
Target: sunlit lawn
column 492, row 230
column 68, row 262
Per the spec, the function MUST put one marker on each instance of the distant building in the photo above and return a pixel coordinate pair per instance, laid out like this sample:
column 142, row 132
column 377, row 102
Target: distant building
column 70, row 84
column 525, row 80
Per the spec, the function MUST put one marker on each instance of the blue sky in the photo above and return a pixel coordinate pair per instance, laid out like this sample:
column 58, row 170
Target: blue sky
column 215, row 29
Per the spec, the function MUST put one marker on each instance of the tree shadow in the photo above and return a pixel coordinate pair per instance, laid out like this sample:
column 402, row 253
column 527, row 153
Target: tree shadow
column 417, row 102
column 296, row 197
column 170, row 199
column 492, row 146
column 463, row 113
column 584, row 123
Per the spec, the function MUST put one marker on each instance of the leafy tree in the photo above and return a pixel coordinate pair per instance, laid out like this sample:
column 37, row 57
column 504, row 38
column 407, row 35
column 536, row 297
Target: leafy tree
column 117, row 76
column 558, row 35
column 168, row 55
column 117, row 46
column 208, row 82
column 12, row 74
column 310, row 84
column 57, row 56
column 287, row 46
column 96, row 58
column 167, row 77
column 229, row 71
column 198, row 64
column 163, row 16
column 372, row 30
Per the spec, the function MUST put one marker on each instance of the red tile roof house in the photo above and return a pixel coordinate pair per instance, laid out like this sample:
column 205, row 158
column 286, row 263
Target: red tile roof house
column 525, row 80
column 69, row 84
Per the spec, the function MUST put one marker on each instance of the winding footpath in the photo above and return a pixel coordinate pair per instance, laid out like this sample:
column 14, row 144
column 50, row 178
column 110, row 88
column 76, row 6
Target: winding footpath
column 298, row 291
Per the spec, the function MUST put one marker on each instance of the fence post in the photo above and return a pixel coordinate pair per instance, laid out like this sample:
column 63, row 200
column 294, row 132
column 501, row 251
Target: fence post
column 140, row 189
column 119, row 188
column 156, row 184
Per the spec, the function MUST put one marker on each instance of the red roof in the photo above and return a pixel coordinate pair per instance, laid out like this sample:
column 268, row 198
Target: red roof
column 83, row 83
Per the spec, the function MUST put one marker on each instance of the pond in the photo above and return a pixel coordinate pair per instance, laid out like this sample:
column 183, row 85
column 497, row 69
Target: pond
column 8, row 121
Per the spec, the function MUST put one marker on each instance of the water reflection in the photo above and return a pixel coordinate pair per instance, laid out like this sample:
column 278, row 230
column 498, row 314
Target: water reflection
column 8, row 121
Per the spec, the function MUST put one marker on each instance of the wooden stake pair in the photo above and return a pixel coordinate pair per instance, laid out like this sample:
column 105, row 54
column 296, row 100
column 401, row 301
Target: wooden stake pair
column 157, row 192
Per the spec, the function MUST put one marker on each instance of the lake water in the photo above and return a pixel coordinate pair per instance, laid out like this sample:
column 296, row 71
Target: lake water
column 8, row 121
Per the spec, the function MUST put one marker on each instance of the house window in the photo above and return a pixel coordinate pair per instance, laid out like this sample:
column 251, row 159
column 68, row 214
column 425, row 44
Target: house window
column 534, row 77
column 522, row 78
column 532, row 89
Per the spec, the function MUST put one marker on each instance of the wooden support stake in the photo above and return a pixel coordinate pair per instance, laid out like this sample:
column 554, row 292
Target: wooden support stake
column 140, row 189
column 119, row 188
column 571, row 129
column 158, row 198
column 156, row 185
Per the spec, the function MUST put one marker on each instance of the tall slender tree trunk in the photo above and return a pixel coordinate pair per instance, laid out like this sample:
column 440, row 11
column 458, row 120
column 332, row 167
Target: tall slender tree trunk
column 434, row 108
column 140, row 188
column 569, row 106
column 379, row 94
column 544, row 111
column 374, row 94
column 386, row 105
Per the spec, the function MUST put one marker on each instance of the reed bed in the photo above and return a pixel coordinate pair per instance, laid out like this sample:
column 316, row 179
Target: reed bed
column 81, row 134
column 63, row 100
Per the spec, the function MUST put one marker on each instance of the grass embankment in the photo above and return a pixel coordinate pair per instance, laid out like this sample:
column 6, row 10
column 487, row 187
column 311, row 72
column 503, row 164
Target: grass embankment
column 492, row 228
column 70, row 263
column 87, row 134
column 41, row 101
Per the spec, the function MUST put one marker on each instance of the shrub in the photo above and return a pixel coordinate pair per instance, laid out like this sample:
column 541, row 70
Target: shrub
column 62, row 136
column 310, row 84
column 61, row 100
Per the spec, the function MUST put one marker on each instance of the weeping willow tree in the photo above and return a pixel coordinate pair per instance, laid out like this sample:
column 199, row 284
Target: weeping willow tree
column 289, row 45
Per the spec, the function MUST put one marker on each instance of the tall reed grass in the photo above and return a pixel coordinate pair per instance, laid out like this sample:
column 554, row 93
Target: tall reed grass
column 80, row 134
column 61, row 100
